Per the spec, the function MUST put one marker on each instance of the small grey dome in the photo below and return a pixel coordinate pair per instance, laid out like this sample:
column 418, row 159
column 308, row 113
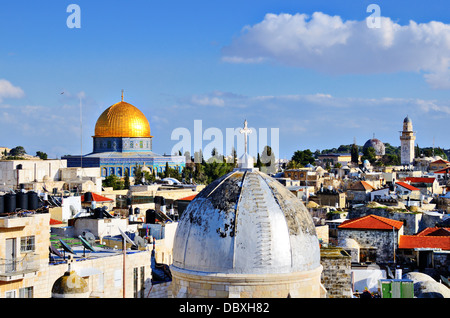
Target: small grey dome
column 377, row 145
column 246, row 223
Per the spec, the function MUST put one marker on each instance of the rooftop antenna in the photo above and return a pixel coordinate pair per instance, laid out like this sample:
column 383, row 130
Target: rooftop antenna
column 81, row 135
column 433, row 146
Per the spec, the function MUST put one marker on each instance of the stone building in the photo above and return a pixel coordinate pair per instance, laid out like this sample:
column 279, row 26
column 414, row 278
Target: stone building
column 336, row 274
column 330, row 197
column 37, row 174
column 359, row 192
column 377, row 237
column 27, row 271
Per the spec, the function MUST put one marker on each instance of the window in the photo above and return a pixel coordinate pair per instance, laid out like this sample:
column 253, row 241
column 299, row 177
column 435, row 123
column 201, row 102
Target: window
column 135, row 282
column 142, row 281
column 10, row 294
column 27, row 244
column 26, row 292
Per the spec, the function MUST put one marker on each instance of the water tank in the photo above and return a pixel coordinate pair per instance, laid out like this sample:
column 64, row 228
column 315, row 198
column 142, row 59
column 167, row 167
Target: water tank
column 150, row 216
column 98, row 213
column 88, row 197
column 10, row 202
column 33, row 201
column 2, row 204
column 22, row 200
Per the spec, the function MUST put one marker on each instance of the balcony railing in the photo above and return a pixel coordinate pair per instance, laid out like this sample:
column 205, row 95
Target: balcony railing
column 20, row 267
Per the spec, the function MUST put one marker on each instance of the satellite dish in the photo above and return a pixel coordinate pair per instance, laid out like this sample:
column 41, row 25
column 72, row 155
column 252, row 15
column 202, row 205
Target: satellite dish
column 139, row 241
column 88, row 236
column 126, row 237
column 66, row 247
column 55, row 251
column 73, row 210
column 86, row 244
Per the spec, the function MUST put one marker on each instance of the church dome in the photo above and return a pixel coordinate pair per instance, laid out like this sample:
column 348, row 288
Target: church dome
column 70, row 285
column 377, row 145
column 122, row 120
column 246, row 223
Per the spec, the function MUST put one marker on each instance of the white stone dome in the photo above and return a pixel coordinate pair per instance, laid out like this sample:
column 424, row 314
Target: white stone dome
column 246, row 223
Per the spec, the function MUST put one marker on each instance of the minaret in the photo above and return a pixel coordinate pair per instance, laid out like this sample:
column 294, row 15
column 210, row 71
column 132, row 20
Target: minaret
column 407, row 142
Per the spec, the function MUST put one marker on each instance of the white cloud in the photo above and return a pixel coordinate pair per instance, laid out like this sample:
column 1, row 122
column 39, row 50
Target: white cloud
column 329, row 44
column 207, row 101
column 8, row 90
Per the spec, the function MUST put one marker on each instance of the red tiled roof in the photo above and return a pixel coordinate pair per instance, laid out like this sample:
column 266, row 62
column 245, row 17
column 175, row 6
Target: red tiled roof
column 362, row 186
column 441, row 161
column 189, row 198
column 414, row 241
column 435, row 231
column 97, row 198
column 54, row 222
column 444, row 170
column 420, row 180
column 373, row 222
column 407, row 186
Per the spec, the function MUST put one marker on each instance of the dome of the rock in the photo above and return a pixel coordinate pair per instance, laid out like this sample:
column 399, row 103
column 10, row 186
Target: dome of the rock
column 122, row 120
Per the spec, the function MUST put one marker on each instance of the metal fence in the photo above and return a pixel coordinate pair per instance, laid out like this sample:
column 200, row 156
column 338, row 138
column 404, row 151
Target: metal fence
column 28, row 263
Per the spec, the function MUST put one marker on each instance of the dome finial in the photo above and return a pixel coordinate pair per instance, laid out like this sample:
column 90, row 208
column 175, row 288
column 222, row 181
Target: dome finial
column 122, row 95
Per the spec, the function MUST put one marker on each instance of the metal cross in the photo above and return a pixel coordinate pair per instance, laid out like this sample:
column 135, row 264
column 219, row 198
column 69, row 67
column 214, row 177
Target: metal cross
column 245, row 131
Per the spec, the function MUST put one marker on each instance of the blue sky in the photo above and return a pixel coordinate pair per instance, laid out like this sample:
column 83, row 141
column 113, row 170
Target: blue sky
column 312, row 69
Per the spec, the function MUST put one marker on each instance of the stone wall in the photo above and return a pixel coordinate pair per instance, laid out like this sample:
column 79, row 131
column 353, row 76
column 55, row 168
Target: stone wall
column 336, row 274
column 442, row 262
column 162, row 290
column 190, row 284
column 381, row 240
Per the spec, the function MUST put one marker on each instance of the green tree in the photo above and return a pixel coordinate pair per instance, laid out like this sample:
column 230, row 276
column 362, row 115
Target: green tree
column 41, row 155
column 304, row 157
column 268, row 161
column 167, row 171
column 17, row 151
column 258, row 163
column 126, row 180
column 354, row 152
column 369, row 154
column 390, row 160
column 114, row 182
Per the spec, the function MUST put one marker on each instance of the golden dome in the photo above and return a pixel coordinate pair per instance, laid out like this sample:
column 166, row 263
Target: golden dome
column 122, row 120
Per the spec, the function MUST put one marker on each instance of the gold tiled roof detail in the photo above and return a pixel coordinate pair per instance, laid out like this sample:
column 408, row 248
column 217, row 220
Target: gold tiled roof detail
column 122, row 120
